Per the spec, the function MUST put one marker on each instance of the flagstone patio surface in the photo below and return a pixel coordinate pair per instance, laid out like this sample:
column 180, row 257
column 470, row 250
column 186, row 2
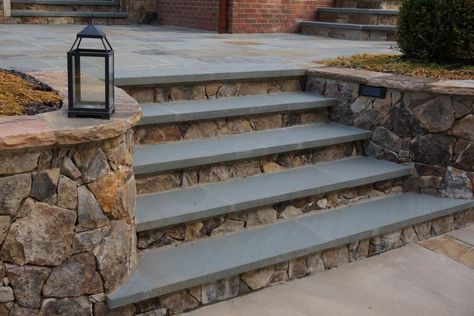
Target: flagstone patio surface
column 43, row 47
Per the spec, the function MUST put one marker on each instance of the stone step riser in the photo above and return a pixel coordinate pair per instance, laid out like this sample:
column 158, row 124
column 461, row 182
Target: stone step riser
column 371, row 19
column 207, row 90
column 67, row 8
column 224, row 171
column 348, row 34
column 245, row 283
column 369, row 4
column 175, row 235
column 162, row 133
column 63, row 20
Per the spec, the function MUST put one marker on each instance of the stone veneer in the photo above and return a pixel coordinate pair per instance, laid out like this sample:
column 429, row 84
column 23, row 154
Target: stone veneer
column 67, row 208
column 422, row 122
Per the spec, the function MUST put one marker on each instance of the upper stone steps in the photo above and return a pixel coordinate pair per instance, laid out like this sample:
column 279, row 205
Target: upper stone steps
column 167, row 270
column 185, row 111
column 358, row 16
column 369, row 4
column 184, row 154
column 67, row 11
column 366, row 32
column 181, row 206
column 368, row 20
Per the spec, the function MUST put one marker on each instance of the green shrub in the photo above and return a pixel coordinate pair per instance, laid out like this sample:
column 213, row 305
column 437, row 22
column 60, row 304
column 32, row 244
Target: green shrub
column 437, row 30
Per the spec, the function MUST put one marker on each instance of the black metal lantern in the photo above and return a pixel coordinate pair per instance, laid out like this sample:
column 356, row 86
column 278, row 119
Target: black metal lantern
column 91, row 76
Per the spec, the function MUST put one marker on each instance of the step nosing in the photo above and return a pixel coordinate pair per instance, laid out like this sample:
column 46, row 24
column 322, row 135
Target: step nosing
column 68, row 2
column 34, row 13
column 359, row 11
column 167, row 270
column 175, row 112
column 349, row 26
column 168, row 75
column 220, row 202
column 189, row 153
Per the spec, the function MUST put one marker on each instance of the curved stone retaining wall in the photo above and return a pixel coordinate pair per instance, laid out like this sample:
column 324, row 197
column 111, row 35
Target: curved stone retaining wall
column 67, row 208
column 422, row 122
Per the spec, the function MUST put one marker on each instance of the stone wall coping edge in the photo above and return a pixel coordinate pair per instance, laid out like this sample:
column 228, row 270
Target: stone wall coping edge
column 55, row 128
column 396, row 81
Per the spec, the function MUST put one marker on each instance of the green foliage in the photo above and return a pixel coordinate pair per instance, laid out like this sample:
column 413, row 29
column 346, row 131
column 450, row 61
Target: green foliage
column 437, row 30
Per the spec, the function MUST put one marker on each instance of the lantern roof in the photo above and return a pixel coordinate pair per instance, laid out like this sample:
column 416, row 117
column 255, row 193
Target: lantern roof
column 91, row 31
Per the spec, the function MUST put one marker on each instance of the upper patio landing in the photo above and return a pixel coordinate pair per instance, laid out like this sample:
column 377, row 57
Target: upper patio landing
column 174, row 50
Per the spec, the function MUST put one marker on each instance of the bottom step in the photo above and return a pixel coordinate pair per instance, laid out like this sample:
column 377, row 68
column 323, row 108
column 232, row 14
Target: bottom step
column 169, row 270
column 364, row 32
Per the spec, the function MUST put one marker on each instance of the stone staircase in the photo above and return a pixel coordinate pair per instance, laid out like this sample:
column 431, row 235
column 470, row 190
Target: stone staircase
column 67, row 11
column 356, row 20
column 244, row 182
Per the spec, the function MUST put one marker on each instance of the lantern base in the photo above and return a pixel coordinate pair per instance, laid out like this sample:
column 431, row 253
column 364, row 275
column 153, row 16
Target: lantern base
column 103, row 115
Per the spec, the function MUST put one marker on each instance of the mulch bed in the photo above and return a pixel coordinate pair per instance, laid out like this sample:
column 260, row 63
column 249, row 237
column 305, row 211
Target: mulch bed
column 21, row 94
column 398, row 65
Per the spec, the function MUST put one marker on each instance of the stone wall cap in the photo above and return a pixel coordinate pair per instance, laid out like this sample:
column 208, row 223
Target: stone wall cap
column 396, row 81
column 55, row 128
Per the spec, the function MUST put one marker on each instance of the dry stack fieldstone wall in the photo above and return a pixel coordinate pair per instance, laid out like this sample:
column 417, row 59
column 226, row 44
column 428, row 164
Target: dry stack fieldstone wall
column 67, row 209
column 425, row 123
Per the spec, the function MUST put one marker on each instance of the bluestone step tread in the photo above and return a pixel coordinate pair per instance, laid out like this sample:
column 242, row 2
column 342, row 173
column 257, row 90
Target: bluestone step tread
column 180, row 206
column 69, row 2
column 172, row 269
column 349, row 26
column 359, row 11
column 190, row 153
column 36, row 13
column 173, row 112
column 206, row 73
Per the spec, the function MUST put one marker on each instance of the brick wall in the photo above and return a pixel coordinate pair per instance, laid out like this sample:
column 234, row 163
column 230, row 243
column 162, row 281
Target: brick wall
column 198, row 14
column 245, row 16
column 271, row 16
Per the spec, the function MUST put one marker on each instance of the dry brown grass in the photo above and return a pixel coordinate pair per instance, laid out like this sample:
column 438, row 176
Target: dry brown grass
column 396, row 64
column 19, row 96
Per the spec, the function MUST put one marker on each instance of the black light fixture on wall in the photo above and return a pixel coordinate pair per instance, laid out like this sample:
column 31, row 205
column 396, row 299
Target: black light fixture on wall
column 91, row 76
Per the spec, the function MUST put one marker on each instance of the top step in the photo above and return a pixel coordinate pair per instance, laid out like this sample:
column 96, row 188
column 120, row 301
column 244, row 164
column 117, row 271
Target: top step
column 173, row 269
column 125, row 77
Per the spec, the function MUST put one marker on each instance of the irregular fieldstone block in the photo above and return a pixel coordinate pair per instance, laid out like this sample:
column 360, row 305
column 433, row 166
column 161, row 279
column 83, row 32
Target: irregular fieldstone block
column 403, row 123
column 464, row 127
column 76, row 306
column 114, row 254
column 258, row 279
column 116, row 193
column 432, row 148
column 89, row 213
column 96, row 167
column 220, row 290
column 178, row 302
column 45, row 184
column 436, row 115
column 75, row 277
column 11, row 163
column 43, row 237
column 456, row 184
column 27, row 282
column 67, row 193
column 68, row 168
column 13, row 190
column 86, row 241
column 387, row 139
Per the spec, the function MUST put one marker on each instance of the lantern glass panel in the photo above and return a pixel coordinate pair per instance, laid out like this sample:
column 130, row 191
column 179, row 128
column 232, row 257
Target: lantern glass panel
column 89, row 87
column 111, row 79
